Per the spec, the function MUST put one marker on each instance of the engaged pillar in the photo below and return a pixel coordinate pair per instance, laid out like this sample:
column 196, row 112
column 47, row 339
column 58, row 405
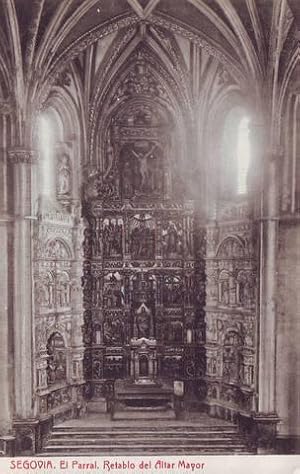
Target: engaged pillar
column 22, row 161
column 6, row 382
column 266, row 418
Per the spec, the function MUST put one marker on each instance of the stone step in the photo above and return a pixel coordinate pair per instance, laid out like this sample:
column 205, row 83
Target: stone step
column 138, row 434
column 142, row 407
column 145, row 448
column 144, row 414
column 146, row 441
column 172, row 428
column 143, row 394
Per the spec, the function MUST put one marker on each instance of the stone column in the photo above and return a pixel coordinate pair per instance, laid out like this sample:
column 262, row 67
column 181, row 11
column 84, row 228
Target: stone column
column 6, row 384
column 266, row 418
column 22, row 161
column 269, row 230
column 5, row 329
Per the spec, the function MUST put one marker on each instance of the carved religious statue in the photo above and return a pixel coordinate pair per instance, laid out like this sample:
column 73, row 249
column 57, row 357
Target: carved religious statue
column 143, row 321
column 112, row 238
column 64, row 176
column 172, row 241
column 142, row 241
column 142, row 171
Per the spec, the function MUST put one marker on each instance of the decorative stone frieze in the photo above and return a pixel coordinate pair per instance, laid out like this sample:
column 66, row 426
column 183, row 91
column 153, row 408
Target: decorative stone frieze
column 22, row 155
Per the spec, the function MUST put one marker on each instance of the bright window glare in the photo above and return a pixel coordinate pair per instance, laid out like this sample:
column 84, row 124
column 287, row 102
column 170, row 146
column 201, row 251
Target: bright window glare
column 243, row 155
column 46, row 147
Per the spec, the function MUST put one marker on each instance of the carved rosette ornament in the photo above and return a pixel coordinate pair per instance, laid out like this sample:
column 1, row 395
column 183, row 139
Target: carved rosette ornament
column 22, row 156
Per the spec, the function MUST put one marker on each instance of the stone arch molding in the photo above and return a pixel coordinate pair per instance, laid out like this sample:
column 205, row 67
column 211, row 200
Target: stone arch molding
column 61, row 330
column 105, row 152
column 130, row 22
column 141, row 82
column 46, row 331
column 58, row 248
column 117, row 88
column 232, row 246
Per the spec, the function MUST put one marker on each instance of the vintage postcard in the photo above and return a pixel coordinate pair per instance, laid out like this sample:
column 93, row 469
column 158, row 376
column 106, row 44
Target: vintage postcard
column 150, row 236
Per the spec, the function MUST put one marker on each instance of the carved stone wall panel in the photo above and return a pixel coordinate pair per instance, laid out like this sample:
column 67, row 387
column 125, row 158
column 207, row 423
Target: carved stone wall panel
column 173, row 291
column 231, row 301
column 230, row 351
column 142, row 237
column 172, row 239
column 151, row 285
column 113, row 236
column 58, row 307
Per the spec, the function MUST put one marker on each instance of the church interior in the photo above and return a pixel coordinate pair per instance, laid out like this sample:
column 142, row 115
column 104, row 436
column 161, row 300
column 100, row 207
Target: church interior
column 150, row 223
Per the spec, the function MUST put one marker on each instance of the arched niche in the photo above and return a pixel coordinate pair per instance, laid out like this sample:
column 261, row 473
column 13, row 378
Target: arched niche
column 232, row 357
column 56, row 135
column 57, row 249
column 246, row 289
column 44, row 291
column 224, row 288
column 231, row 247
column 138, row 151
column 138, row 124
column 57, row 359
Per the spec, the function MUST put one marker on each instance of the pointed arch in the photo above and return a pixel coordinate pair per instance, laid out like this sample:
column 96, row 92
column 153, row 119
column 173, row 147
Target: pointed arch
column 172, row 96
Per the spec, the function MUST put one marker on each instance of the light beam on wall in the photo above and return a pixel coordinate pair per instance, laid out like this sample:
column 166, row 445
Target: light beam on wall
column 243, row 155
column 46, row 143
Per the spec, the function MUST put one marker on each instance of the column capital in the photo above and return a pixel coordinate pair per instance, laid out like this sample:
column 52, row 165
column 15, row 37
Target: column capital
column 6, row 106
column 22, row 155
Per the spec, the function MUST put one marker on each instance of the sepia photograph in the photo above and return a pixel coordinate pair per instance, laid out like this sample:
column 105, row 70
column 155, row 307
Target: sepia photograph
column 149, row 235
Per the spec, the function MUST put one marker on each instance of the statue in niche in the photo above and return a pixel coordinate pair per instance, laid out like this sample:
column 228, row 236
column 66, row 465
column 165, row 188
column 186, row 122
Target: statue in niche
column 230, row 365
column 231, row 357
column 44, row 292
column 143, row 315
column 172, row 241
column 246, row 291
column 56, row 363
column 224, row 292
column 56, row 249
column 142, row 240
column 113, row 291
column 87, row 242
column 62, row 288
column 87, row 285
column 172, row 291
column 62, row 294
column 112, row 238
column 113, row 330
column 64, row 176
column 141, row 173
